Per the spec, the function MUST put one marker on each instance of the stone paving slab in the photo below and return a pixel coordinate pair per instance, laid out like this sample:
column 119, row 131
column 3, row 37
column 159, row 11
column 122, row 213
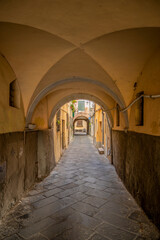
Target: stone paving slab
column 82, row 199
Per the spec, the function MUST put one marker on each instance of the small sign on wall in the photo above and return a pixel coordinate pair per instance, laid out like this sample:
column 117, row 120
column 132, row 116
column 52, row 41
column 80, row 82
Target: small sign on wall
column 2, row 172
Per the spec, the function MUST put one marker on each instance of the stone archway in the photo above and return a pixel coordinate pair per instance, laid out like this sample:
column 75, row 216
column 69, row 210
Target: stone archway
column 83, row 118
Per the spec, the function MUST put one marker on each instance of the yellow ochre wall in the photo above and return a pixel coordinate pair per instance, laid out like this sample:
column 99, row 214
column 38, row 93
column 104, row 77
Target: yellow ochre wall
column 98, row 123
column 149, row 82
column 98, row 131
column 58, row 151
column 11, row 118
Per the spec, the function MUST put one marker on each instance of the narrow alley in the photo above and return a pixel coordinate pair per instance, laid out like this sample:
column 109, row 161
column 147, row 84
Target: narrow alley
column 82, row 199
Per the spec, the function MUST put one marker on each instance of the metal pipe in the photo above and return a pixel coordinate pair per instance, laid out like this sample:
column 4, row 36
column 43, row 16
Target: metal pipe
column 134, row 101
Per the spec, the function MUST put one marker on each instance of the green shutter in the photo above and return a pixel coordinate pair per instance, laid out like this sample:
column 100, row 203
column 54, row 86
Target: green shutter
column 81, row 106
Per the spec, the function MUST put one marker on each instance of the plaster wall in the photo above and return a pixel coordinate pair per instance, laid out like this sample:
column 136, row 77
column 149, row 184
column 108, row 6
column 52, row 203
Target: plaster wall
column 57, row 139
column 12, row 119
column 136, row 159
column 98, row 126
column 45, row 155
column 12, row 161
column 57, row 135
column 31, row 160
column 107, row 138
column 102, row 129
column 24, row 157
column 148, row 81
column 40, row 118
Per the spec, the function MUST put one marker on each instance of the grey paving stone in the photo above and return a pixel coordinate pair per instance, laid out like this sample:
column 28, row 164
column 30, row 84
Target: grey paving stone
column 46, row 211
column 114, row 233
column 79, row 196
column 95, row 201
column 101, row 182
column 45, row 202
column 121, row 222
column 95, row 186
column 70, row 185
column 98, row 237
column 84, row 189
column 63, row 214
column 83, row 220
column 51, row 185
column 79, row 182
column 114, row 207
column 55, row 230
column 100, row 194
column 32, row 199
column 113, row 190
column 35, row 192
column 125, row 200
column 90, row 179
column 67, row 201
column 64, row 182
column 36, row 227
column 52, row 192
column 78, row 178
column 38, row 236
column 67, row 192
column 85, row 208
column 140, row 238
column 76, row 233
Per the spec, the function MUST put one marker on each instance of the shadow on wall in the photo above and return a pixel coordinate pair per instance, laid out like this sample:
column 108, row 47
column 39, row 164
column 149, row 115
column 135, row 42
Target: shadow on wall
column 24, row 159
column 136, row 157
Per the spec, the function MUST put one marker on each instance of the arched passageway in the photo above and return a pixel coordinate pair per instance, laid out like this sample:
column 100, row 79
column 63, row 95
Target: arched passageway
column 82, row 198
column 105, row 52
column 79, row 126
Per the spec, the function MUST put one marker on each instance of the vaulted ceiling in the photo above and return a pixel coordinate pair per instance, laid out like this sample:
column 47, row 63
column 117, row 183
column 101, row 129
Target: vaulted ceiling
column 103, row 42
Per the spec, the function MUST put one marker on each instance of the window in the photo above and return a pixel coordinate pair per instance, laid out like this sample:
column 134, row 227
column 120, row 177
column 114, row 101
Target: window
column 117, row 116
column 81, row 106
column 139, row 120
column 14, row 94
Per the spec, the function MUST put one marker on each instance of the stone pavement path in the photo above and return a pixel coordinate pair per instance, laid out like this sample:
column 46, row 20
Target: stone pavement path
column 82, row 199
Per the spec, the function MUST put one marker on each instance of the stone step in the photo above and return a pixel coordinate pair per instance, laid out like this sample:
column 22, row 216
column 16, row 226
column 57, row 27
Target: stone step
column 101, row 150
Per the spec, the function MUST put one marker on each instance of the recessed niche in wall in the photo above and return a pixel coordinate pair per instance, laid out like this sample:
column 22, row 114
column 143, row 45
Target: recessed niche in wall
column 117, row 116
column 139, row 110
column 14, row 94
